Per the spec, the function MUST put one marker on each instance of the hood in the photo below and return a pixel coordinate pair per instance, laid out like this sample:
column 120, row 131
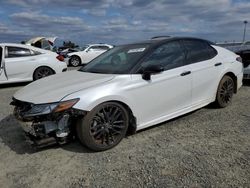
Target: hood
column 55, row 88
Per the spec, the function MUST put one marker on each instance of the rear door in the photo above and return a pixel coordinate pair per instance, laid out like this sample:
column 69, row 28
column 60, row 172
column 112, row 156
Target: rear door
column 19, row 62
column 2, row 72
column 206, row 67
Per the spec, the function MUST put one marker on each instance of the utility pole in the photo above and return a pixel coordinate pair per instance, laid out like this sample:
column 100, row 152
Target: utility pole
column 245, row 27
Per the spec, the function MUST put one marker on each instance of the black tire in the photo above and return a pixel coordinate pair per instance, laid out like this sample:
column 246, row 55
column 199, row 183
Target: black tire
column 42, row 72
column 104, row 127
column 75, row 61
column 225, row 92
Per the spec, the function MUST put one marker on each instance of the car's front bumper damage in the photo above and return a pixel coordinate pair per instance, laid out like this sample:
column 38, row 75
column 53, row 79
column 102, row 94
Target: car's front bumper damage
column 44, row 129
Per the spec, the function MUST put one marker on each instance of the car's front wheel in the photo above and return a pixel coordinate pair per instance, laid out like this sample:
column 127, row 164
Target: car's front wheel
column 75, row 61
column 225, row 92
column 104, row 127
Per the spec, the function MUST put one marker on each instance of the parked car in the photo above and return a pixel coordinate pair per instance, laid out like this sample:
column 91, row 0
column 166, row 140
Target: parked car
column 21, row 63
column 88, row 54
column 244, row 52
column 128, row 88
column 65, row 51
column 45, row 43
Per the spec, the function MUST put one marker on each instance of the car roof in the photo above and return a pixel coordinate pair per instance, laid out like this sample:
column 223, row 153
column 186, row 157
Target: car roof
column 162, row 39
column 25, row 46
column 98, row 44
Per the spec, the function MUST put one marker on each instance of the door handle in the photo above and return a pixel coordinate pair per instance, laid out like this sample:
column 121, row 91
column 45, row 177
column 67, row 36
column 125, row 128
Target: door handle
column 185, row 73
column 217, row 64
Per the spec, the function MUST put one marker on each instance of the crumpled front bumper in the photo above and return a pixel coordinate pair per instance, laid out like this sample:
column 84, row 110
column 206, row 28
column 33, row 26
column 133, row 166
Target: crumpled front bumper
column 49, row 129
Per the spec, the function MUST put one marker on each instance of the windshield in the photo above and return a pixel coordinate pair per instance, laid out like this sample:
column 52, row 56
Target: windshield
column 118, row 60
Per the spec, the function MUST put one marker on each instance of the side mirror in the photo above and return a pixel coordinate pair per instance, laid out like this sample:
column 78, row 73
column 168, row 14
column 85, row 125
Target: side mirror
column 151, row 69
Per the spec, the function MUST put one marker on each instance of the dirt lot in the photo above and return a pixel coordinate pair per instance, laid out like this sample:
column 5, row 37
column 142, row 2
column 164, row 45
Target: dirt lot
column 207, row 148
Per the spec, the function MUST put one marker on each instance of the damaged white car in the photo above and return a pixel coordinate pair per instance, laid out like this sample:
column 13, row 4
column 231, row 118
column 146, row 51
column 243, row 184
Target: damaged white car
column 23, row 63
column 128, row 88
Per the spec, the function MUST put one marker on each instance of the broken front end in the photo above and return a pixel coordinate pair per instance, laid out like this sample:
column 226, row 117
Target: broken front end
column 48, row 124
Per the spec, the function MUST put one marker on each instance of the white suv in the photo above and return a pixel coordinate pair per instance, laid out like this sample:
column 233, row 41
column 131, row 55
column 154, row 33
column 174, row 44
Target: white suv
column 89, row 53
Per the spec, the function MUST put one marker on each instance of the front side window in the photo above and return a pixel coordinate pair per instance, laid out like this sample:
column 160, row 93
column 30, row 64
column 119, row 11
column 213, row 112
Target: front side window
column 198, row 51
column 118, row 60
column 17, row 52
column 169, row 55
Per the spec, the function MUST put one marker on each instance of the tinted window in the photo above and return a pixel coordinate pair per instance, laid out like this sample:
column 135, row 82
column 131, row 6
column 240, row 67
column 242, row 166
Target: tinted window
column 198, row 51
column 18, row 52
column 103, row 47
column 169, row 55
column 98, row 48
column 118, row 60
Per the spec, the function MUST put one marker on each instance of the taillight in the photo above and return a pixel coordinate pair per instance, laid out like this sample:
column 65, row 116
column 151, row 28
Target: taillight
column 60, row 58
column 239, row 59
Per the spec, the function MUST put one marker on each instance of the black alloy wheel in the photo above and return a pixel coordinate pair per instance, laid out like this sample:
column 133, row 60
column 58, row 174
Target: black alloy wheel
column 42, row 72
column 225, row 92
column 104, row 127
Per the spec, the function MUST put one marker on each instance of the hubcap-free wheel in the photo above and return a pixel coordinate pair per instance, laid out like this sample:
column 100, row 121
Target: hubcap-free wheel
column 104, row 127
column 225, row 91
column 75, row 61
column 42, row 72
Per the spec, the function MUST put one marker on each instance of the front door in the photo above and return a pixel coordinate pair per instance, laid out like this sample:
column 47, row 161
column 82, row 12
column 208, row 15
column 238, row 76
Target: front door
column 167, row 94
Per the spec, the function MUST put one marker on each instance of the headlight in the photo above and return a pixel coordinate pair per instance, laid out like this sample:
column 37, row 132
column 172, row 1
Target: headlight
column 43, row 109
column 65, row 105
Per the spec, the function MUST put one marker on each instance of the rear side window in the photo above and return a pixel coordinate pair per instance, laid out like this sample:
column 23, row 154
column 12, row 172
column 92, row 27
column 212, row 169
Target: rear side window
column 198, row 51
column 17, row 52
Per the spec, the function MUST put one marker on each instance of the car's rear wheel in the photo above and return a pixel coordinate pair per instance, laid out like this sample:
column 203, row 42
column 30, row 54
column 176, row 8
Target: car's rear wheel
column 75, row 61
column 225, row 92
column 42, row 72
column 104, row 127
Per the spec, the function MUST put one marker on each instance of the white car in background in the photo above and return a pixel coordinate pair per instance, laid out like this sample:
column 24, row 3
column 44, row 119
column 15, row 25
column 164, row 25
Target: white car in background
column 21, row 63
column 89, row 53
column 128, row 88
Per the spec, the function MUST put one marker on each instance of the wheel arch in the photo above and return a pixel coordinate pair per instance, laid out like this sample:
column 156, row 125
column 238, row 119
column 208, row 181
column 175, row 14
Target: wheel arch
column 234, row 77
column 40, row 67
column 132, row 117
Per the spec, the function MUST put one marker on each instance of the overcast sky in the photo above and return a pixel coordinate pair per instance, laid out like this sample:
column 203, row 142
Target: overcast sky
column 122, row 21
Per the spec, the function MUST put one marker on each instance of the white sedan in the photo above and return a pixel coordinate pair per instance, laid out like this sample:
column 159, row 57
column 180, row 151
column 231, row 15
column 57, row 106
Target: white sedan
column 88, row 54
column 128, row 88
column 21, row 63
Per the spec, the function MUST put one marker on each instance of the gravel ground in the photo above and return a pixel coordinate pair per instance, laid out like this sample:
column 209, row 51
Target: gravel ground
column 207, row 148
